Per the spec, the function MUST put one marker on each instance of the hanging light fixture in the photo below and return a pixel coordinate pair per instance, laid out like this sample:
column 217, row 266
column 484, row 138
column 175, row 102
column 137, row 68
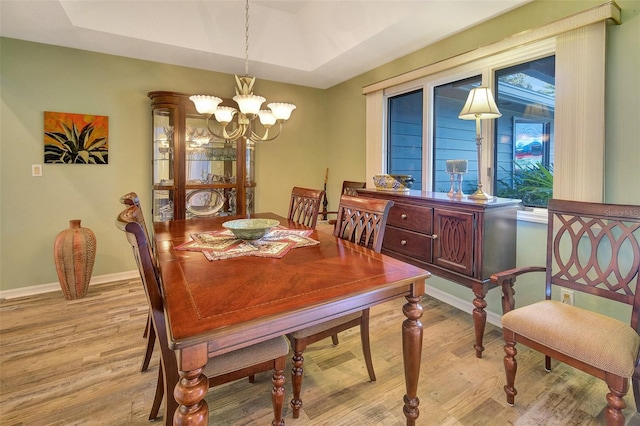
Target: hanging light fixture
column 241, row 124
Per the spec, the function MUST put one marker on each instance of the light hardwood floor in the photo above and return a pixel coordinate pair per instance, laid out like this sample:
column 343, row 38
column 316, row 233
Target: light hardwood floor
column 77, row 363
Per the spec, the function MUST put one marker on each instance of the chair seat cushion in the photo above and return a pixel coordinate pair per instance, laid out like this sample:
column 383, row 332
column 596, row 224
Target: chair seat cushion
column 246, row 357
column 309, row 331
column 595, row 339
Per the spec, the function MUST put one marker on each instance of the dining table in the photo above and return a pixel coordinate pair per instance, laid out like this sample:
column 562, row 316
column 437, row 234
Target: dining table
column 217, row 305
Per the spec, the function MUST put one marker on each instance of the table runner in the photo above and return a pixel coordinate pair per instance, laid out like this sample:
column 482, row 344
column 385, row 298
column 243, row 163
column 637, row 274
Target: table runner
column 222, row 244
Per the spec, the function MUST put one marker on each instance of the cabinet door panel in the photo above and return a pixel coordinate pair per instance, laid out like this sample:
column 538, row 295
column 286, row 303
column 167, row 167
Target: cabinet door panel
column 453, row 248
column 196, row 174
column 415, row 218
column 418, row 246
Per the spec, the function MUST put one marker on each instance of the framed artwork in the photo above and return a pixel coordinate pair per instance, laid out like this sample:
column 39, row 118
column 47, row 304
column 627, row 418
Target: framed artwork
column 76, row 138
column 531, row 142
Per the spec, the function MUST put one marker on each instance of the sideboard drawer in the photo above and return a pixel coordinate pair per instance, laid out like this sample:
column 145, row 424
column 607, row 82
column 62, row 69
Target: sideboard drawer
column 409, row 243
column 414, row 218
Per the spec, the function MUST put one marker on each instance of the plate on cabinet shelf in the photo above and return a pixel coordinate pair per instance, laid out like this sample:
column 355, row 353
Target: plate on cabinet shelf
column 204, row 202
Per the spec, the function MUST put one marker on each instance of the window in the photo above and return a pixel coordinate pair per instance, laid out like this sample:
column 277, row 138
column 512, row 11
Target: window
column 453, row 139
column 523, row 149
column 519, row 152
column 576, row 131
column 404, row 150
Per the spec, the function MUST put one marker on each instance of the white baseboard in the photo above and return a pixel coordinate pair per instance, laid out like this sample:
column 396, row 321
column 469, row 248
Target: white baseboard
column 463, row 305
column 47, row 288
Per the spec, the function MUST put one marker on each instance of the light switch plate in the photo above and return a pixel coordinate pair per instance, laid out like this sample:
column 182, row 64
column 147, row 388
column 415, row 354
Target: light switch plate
column 36, row 170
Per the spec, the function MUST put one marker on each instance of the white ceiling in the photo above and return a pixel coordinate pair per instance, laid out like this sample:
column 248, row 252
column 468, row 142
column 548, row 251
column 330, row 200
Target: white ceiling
column 316, row 43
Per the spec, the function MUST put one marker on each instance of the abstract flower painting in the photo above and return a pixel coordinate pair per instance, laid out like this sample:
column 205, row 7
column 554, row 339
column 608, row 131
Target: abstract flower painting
column 76, row 138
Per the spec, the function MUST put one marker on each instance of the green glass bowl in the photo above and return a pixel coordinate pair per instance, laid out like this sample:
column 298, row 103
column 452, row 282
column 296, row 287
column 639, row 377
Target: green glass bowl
column 250, row 229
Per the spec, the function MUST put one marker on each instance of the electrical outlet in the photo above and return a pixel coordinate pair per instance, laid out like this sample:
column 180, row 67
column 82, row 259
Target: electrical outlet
column 566, row 296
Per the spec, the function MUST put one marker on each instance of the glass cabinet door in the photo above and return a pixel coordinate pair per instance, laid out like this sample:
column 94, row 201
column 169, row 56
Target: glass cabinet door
column 163, row 163
column 195, row 173
column 210, row 171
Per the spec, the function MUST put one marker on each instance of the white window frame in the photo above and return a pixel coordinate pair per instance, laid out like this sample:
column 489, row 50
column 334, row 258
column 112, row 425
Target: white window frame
column 486, row 68
column 579, row 45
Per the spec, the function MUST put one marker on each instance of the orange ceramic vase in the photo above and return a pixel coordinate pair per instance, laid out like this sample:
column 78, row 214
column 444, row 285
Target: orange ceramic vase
column 74, row 253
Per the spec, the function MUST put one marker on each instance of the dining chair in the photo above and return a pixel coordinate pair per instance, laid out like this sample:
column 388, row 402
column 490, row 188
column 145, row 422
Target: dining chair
column 238, row 364
column 362, row 221
column 131, row 199
column 304, row 206
column 592, row 248
column 348, row 188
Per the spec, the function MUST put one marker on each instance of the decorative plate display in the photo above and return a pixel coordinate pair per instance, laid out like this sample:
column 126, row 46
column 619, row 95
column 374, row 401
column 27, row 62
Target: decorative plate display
column 250, row 229
column 204, row 202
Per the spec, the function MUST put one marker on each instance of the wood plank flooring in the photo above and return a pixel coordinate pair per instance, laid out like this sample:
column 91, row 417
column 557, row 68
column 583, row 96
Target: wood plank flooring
column 77, row 363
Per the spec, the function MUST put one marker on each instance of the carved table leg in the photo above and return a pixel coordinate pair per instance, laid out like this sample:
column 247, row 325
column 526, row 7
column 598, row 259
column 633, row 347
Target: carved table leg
column 479, row 316
column 296, row 382
column 191, row 388
column 277, row 395
column 412, row 353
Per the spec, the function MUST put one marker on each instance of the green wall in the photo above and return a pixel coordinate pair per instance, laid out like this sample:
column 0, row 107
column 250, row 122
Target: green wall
column 327, row 130
column 38, row 77
column 622, row 122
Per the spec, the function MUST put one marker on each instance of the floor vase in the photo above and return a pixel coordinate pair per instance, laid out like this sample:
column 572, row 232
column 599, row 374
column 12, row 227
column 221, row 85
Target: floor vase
column 75, row 253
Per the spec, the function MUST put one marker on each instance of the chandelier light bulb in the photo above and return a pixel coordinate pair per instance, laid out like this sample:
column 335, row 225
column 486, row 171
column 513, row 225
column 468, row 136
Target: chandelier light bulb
column 206, row 105
column 224, row 114
column 281, row 111
column 249, row 104
column 267, row 118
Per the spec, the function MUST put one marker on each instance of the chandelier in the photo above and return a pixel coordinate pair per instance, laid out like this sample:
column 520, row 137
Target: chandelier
column 242, row 124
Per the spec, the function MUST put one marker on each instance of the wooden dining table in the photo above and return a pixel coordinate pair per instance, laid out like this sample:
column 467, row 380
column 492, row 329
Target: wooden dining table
column 214, row 307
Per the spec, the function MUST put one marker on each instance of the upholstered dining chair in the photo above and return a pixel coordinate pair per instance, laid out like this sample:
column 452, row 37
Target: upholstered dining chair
column 304, row 206
column 362, row 221
column 348, row 188
column 241, row 363
column 131, row 199
column 594, row 249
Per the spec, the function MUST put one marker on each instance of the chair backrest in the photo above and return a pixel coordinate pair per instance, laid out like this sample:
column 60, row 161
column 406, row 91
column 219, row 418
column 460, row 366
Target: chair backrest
column 131, row 199
column 349, row 187
column 130, row 221
column 362, row 220
column 305, row 205
column 594, row 248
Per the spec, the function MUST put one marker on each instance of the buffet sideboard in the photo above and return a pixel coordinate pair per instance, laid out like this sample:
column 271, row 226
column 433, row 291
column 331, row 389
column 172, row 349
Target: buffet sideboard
column 459, row 239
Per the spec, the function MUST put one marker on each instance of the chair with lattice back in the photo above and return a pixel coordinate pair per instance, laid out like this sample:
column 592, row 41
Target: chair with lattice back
column 362, row 221
column 592, row 248
column 131, row 199
column 348, row 188
column 231, row 366
column 304, row 206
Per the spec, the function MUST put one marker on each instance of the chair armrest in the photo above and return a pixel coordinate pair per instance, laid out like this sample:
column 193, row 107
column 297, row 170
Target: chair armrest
column 506, row 279
column 511, row 274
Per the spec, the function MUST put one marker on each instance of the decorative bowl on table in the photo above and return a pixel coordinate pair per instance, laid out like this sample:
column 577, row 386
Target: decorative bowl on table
column 250, row 229
column 399, row 183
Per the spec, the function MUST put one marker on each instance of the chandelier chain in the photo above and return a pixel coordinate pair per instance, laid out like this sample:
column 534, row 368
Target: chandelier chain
column 239, row 123
column 246, row 39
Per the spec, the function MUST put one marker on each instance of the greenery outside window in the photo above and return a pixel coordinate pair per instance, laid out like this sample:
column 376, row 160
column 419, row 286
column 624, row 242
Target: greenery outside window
column 576, row 159
column 524, row 137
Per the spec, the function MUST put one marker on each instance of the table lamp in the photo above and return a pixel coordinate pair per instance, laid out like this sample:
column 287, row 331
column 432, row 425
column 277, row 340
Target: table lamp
column 479, row 106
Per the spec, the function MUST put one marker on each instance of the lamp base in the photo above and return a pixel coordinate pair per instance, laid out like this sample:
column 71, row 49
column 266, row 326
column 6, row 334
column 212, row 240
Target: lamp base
column 480, row 195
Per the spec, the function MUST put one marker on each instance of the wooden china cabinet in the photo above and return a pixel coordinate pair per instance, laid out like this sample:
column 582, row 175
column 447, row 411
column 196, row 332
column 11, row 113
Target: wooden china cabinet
column 196, row 174
column 462, row 240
